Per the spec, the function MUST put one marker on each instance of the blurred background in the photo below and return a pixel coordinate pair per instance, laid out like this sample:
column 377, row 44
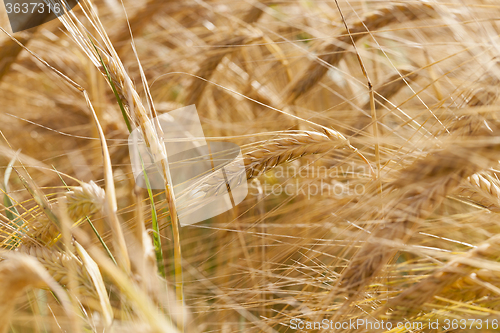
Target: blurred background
column 258, row 67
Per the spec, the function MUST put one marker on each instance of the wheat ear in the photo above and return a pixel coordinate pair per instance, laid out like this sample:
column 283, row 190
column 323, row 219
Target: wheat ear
column 57, row 264
column 431, row 179
column 84, row 200
column 422, row 187
column 19, row 272
column 265, row 155
column 483, row 189
column 88, row 278
column 332, row 53
column 210, row 63
column 286, row 148
column 462, row 267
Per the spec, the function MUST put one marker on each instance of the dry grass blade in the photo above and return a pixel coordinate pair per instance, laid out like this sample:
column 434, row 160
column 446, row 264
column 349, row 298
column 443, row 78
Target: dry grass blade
column 71, row 273
column 94, row 273
column 142, row 303
column 111, row 205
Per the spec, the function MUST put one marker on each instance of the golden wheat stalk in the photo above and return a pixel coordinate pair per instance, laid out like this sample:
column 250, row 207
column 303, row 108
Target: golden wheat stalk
column 151, row 132
column 93, row 272
column 332, row 53
column 142, row 256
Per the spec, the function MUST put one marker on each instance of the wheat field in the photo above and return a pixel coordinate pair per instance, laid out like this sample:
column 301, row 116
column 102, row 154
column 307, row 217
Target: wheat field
column 370, row 137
